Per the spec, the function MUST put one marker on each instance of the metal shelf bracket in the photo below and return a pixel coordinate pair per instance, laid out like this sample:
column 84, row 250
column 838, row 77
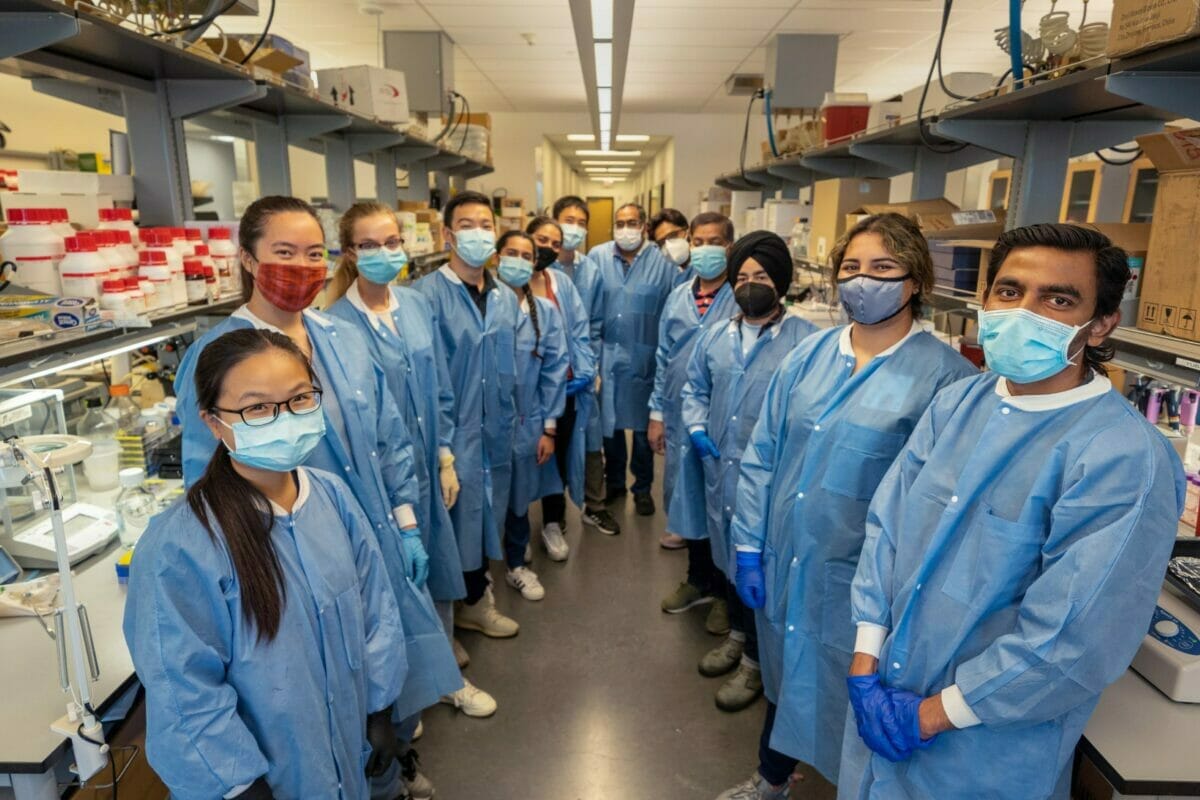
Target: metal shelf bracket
column 301, row 127
column 24, row 32
column 189, row 98
column 1173, row 91
column 363, row 143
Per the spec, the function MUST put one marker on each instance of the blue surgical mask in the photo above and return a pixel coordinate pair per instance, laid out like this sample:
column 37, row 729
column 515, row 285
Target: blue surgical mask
column 280, row 446
column 515, row 271
column 1026, row 347
column 573, row 236
column 869, row 300
column 382, row 265
column 475, row 245
column 708, row 261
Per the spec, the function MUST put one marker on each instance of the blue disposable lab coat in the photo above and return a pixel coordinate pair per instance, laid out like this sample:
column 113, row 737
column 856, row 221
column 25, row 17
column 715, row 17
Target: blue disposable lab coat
column 587, row 281
column 415, row 369
column 584, row 360
column 678, row 329
column 541, row 395
column 367, row 444
column 480, row 356
column 224, row 708
column 1015, row 550
column 631, row 300
column 824, row 438
column 724, row 394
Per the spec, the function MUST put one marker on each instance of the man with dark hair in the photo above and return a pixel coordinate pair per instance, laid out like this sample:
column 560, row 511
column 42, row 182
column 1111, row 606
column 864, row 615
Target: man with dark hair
column 477, row 322
column 668, row 230
column 632, row 281
column 1015, row 549
column 572, row 215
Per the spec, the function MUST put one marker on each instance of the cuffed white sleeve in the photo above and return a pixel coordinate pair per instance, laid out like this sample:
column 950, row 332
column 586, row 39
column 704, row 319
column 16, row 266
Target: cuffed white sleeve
column 404, row 517
column 444, row 453
column 656, row 416
column 748, row 548
column 957, row 710
column 550, row 425
column 869, row 639
column 695, row 428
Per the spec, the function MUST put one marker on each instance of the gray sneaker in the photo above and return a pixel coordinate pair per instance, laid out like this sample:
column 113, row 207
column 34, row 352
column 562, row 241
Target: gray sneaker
column 756, row 788
column 718, row 618
column 722, row 658
column 741, row 690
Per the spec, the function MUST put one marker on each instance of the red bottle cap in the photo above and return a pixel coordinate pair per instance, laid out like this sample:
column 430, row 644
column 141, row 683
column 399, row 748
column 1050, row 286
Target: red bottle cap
column 202, row 250
column 193, row 268
column 219, row 233
column 152, row 258
column 114, row 286
column 193, row 235
column 82, row 242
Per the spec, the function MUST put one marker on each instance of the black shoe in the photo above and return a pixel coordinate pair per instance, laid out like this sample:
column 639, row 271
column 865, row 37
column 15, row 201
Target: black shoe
column 615, row 493
column 601, row 520
column 644, row 504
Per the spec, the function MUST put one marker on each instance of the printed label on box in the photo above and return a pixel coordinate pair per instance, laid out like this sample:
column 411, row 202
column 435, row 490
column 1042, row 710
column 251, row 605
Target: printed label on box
column 1150, row 312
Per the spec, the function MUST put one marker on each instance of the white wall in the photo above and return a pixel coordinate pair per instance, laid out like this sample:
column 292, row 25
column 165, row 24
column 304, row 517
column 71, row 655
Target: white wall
column 41, row 123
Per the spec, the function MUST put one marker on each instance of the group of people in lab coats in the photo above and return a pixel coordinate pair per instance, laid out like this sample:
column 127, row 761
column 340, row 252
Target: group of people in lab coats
column 931, row 573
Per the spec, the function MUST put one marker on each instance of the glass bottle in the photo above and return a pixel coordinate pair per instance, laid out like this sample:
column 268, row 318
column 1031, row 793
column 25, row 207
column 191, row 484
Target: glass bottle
column 135, row 506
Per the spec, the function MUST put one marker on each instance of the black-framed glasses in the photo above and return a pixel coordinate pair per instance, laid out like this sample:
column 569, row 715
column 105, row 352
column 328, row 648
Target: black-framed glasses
column 393, row 244
column 261, row 414
column 635, row 224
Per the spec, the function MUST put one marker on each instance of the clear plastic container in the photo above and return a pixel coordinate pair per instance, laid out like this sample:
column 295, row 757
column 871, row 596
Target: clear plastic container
column 135, row 505
column 121, row 408
column 35, row 248
column 100, row 468
column 801, row 232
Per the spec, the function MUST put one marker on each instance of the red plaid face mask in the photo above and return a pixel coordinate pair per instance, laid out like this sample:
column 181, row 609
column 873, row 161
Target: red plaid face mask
column 290, row 287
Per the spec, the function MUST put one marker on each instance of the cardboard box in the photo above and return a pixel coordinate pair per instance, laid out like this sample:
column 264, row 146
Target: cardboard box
column 63, row 313
column 832, row 200
column 1138, row 25
column 1170, row 297
column 277, row 57
column 412, row 205
column 371, row 91
column 916, row 210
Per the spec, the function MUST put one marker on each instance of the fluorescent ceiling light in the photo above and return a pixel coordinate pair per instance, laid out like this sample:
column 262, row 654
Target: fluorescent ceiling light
column 614, row 153
column 580, row 137
column 620, row 169
column 605, row 121
column 595, row 169
column 604, row 65
column 604, row 100
column 223, row 138
column 608, row 163
column 602, row 19
column 605, row 142
column 632, row 137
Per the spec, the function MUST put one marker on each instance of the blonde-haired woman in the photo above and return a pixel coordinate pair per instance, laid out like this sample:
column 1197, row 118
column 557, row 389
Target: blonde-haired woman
column 398, row 325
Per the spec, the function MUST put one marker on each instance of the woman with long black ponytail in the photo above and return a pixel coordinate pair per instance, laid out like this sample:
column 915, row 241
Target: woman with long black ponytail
column 541, row 394
column 260, row 616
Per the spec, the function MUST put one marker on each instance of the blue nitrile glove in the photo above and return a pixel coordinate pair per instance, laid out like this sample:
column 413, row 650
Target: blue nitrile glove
column 415, row 555
column 704, row 446
column 875, row 716
column 908, row 720
column 751, row 586
column 579, row 385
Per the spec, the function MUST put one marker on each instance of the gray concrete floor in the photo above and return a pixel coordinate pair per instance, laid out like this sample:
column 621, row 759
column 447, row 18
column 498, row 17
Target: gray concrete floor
column 599, row 697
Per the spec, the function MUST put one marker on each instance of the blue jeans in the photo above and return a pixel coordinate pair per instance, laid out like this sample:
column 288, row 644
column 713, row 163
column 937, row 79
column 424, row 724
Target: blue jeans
column 641, row 464
column 516, row 538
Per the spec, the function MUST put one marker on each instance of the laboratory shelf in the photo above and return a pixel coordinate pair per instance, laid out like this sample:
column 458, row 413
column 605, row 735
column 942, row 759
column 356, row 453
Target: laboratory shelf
column 81, row 54
column 21, row 358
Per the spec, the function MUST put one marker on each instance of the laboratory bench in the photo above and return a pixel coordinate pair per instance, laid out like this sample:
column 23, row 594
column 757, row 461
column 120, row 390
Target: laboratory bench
column 32, row 756
column 1143, row 743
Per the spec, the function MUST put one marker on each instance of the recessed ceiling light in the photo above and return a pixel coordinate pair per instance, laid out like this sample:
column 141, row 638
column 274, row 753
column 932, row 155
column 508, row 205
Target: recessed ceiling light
column 632, row 137
column 608, row 163
column 617, row 153
column 580, row 137
column 604, row 63
column 620, row 169
column 602, row 19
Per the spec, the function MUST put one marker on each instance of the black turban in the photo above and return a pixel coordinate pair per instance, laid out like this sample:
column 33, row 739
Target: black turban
column 769, row 250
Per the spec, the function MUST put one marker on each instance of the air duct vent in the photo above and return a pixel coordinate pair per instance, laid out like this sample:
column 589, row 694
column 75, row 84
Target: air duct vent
column 743, row 84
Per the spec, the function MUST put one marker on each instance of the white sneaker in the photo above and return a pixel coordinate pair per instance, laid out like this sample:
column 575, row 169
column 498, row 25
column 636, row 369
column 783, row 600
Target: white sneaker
column 472, row 701
column 420, row 731
column 526, row 582
column 555, row 542
column 484, row 618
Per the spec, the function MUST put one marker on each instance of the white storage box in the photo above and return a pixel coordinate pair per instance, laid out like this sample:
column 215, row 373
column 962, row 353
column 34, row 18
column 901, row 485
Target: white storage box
column 370, row 91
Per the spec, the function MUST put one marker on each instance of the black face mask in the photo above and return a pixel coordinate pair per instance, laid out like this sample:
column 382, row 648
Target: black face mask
column 756, row 299
column 545, row 257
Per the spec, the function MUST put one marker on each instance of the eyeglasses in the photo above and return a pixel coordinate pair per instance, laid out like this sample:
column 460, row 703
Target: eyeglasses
column 261, row 414
column 541, row 240
column 366, row 248
column 633, row 224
